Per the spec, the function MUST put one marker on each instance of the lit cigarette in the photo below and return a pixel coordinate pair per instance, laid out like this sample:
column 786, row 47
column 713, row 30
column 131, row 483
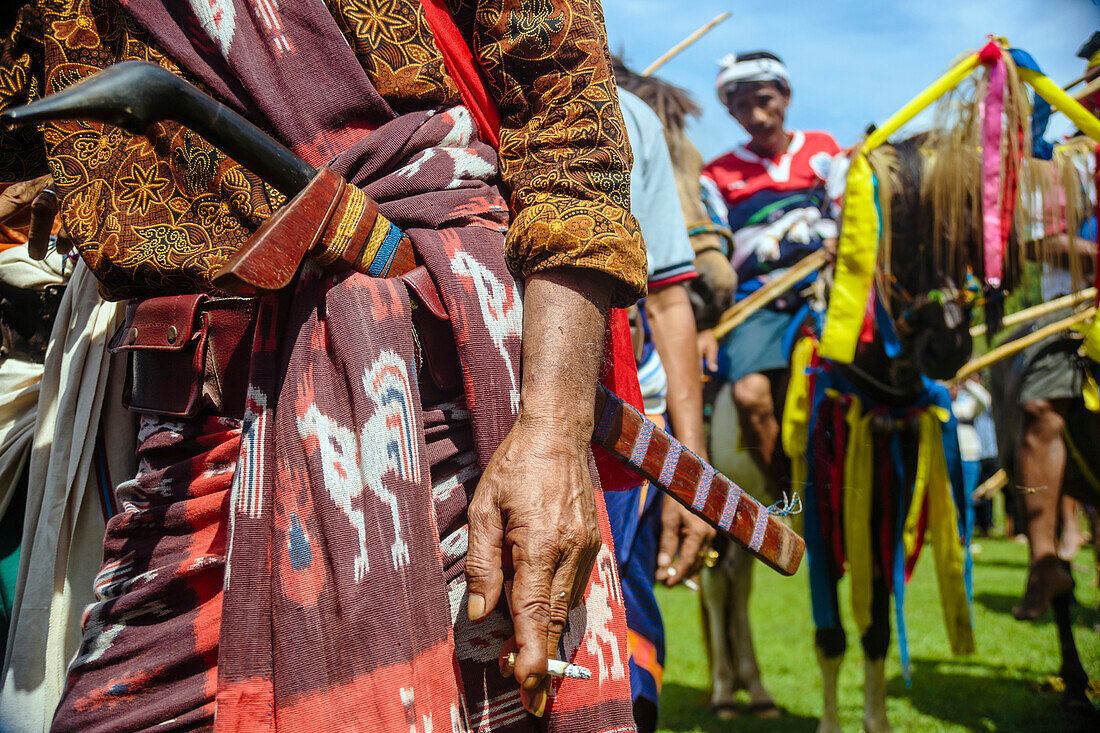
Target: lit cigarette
column 558, row 668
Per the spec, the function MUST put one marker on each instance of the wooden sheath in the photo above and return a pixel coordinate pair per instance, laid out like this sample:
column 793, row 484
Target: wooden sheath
column 666, row 463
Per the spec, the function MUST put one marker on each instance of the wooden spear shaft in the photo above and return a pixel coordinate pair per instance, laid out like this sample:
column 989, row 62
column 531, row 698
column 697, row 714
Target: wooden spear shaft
column 667, row 55
column 1038, row 311
column 1017, row 345
column 990, row 486
column 1091, row 87
column 741, row 311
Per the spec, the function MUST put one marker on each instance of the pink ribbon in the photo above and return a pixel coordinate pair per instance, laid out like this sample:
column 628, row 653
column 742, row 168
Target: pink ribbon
column 992, row 108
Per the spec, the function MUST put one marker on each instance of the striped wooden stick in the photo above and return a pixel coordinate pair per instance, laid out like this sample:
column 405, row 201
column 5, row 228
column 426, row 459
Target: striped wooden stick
column 660, row 458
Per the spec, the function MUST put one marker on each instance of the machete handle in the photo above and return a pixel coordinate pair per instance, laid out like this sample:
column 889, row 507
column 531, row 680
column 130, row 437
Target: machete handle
column 135, row 95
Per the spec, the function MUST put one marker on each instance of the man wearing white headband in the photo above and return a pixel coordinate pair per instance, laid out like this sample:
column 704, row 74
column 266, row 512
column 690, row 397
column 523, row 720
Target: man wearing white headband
column 774, row 189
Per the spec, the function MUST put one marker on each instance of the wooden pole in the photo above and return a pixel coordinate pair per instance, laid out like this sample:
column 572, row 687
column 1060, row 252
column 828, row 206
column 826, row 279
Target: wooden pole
column 1038, row 311
column 1088, row 89
column 664, row 58
column 740, row 312
column 990, row 486
column 1076, row 81
column 1017, row 345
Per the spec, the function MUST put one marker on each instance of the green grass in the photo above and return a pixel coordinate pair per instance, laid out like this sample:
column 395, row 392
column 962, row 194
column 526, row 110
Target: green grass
column 999, row 688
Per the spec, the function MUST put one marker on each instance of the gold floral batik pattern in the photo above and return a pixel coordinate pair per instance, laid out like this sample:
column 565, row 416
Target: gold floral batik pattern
column 160, row 215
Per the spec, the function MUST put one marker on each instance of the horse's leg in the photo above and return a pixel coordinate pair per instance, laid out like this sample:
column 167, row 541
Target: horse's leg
column 1075, row 700
column 726, row 586
column 830, row 645
column 716, row 598
column 876, row 642
column 747, row 671
column 1041, row 465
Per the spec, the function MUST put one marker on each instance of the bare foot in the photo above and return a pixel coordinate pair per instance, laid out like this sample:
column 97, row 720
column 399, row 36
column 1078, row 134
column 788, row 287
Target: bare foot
column 1047, row 578
column 1071, row 543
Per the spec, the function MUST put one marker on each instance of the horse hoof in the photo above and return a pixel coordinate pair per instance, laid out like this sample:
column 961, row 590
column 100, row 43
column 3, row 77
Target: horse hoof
column 877, row 725
column 724, row 711
column 764, row 709
column 1046, row 579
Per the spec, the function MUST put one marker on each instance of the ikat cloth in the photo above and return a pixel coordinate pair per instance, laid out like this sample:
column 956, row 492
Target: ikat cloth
column 312, row 573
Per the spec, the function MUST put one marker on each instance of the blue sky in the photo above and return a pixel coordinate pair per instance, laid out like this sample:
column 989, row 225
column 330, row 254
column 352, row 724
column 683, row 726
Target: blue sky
column 852, row 62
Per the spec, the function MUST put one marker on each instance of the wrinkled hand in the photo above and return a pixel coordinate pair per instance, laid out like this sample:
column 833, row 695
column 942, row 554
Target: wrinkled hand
column 535, row 502
column 707, row 345
column 16, row 200
column 685, row 541
column 35, row 204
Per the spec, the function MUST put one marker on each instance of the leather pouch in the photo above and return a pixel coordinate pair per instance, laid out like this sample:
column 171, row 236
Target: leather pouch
column 187, row 352
column 437, row 353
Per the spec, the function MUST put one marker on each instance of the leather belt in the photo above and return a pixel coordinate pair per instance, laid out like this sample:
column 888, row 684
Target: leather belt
column 191, row 353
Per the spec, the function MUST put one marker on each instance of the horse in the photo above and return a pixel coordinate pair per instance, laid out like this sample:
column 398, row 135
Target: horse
column 922, row 333
column 725, row 587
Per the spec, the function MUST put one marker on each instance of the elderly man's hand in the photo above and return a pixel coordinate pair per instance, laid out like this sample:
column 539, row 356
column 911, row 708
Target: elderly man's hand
column 535, row 500
column 16, row 200
column 35, row 204
column 685, row 541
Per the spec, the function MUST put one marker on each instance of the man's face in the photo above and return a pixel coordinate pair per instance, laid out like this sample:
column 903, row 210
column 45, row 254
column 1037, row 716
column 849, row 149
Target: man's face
column 760, row 109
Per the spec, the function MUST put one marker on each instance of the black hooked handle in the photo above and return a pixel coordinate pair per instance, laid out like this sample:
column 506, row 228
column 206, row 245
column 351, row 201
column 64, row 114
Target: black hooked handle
column 135, row 95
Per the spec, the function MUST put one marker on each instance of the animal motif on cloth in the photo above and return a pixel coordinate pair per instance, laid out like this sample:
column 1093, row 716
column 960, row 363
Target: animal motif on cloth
column 351, row 465
column 501, row 311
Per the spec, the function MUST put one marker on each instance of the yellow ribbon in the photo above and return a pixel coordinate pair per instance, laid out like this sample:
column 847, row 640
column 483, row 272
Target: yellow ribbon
column 932, row 484
column 855, row 264
column 1091, row 348
column 859, row 236
column 858, row 496
column 796, row 411
column 1062, row 102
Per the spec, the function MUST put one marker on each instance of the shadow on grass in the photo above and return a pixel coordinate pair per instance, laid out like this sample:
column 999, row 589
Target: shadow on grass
column 981, row 697
column 1083, row 616
column 685, row 708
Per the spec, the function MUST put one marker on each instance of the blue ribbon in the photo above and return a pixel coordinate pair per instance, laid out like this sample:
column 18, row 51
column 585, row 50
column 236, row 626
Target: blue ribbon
column 939, row 396
column 906, row 496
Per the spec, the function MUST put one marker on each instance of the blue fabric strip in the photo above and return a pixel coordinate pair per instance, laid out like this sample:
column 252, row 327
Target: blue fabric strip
column 675, row 449
column 1022, row 58
column 610, row 410
column 939, row 396
column 733, row 498
column 904, row 498
column 641, row 445
column 821, row 590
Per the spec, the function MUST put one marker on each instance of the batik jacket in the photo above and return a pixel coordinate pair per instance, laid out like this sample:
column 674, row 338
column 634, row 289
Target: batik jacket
column 159, row 215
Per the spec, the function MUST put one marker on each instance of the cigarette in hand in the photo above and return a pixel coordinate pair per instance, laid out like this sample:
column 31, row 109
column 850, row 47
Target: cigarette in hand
column 554, row 667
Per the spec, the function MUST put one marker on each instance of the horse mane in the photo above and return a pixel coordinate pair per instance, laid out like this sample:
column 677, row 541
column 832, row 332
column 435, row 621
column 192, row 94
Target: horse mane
column 672, row 104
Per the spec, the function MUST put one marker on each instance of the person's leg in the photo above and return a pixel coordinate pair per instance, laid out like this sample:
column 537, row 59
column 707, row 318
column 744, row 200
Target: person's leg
column 752, row 395
column 1071, row 539
column 1041, row 461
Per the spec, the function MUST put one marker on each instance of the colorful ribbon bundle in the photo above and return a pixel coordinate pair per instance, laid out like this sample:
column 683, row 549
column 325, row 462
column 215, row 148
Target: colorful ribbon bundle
column 861, row 232
column 858, row 474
